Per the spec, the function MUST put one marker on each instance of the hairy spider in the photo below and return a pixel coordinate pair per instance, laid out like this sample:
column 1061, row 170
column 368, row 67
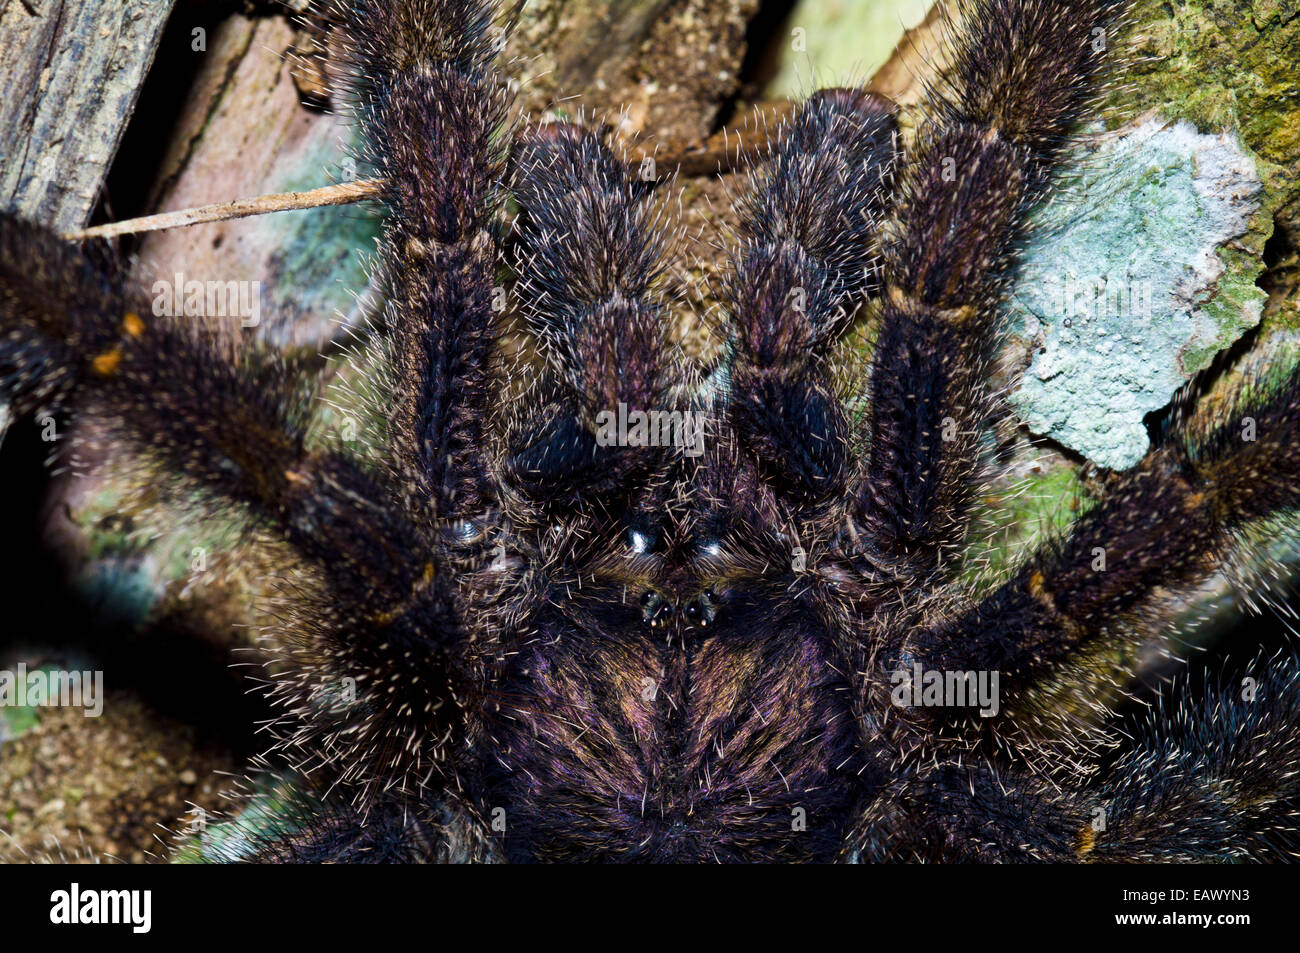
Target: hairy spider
column 634, row 612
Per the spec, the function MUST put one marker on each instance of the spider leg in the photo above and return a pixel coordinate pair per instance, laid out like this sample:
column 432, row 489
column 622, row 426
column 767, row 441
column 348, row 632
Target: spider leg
column 1164, row 523
column 1213, row 779
column 312, row 825
column 588, row 263
column 311, row 831
column 433, row 110
column 233, row 423
column 1025, row 72
column 810, row 224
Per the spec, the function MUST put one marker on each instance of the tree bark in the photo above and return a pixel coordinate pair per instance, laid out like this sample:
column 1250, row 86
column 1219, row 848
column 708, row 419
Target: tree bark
column 71, row 71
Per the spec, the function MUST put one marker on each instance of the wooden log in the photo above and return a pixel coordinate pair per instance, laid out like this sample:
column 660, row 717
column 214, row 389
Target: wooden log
column 71, row 71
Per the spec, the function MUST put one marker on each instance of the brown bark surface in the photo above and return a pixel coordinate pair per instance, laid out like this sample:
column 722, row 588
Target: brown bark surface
column 71, row 71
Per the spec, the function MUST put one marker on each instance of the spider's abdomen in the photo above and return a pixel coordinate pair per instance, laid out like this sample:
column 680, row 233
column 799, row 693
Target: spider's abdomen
column 677, row 742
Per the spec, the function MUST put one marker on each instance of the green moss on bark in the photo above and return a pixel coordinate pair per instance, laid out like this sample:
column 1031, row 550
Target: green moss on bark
column 1225, row 64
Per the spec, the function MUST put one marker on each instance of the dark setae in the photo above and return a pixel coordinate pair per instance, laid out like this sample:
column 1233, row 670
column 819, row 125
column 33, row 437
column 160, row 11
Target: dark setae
column 685, row 640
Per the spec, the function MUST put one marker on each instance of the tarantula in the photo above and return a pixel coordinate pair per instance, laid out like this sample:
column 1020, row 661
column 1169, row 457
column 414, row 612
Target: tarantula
column 569, row 643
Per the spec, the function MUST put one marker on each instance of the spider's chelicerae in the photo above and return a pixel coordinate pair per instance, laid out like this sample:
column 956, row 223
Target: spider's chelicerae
column 634, row 612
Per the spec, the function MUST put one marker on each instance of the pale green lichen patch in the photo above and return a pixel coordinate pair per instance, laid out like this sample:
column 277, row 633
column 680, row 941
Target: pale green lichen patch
column 1125, row 291
column 1223, row 64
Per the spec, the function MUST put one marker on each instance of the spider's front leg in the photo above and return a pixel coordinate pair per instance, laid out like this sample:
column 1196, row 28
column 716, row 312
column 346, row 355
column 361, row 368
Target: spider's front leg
column 433, row 108
column 1215, row 776
column 233, row 424
column 393, row 619
column 1024, row 74
column 588, row 265
column 810, row 225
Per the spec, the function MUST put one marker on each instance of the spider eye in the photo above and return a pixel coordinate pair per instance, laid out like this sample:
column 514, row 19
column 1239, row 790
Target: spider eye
column 702, row 609
column 655, row 609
